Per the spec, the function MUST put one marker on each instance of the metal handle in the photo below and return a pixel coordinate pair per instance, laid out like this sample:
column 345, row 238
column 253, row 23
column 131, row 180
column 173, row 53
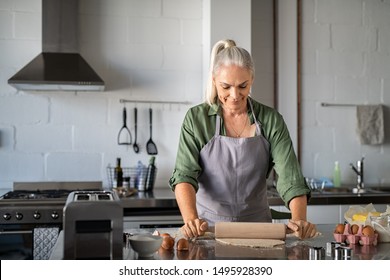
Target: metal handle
column 124, row 116
column 151, row 119
column 16, row 232
column 135, row 122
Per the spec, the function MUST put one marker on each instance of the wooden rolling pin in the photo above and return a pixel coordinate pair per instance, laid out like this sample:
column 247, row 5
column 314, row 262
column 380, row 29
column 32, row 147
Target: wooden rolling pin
column 250, row 230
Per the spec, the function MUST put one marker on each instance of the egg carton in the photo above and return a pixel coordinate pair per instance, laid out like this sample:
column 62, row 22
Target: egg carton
column 357, row 238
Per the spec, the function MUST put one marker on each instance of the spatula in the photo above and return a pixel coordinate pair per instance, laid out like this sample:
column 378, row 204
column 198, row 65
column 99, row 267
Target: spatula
column 150, row 145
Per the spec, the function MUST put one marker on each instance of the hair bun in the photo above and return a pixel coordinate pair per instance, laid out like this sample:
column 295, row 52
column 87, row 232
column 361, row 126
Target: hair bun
column 229, row 43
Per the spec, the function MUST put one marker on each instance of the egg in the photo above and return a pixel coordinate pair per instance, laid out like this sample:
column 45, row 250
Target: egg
column 182, row 244
column 339, row 228
column 165, row 234
column 354, row 229
column 368, row 231
column 168, row 243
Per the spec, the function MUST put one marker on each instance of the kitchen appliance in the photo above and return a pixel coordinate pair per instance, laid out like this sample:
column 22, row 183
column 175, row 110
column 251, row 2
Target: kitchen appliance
column 31, row 216
column 93, row 226
column 59, row 66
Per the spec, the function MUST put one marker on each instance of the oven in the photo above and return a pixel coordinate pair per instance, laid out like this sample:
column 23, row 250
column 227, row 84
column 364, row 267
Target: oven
column 31, row 217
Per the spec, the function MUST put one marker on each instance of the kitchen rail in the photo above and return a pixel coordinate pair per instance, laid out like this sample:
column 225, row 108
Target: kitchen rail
column 154, row 101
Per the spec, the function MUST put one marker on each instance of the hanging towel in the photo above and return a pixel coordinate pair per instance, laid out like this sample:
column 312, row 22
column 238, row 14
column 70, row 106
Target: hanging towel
column 370, row 124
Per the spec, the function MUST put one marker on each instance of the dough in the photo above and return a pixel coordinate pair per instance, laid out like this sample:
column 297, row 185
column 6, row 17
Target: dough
column 253, row 243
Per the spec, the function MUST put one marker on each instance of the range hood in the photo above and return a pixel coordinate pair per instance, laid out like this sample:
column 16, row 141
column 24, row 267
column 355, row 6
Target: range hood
column 59, row 66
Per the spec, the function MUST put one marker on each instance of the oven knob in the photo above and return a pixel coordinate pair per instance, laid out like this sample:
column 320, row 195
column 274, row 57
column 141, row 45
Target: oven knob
column 18, row 216
column 7, row 216
column 55, row 215
column 37, row 215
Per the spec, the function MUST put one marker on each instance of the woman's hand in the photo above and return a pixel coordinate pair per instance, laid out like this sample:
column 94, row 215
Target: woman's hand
column 301, row 229
column 194, row 228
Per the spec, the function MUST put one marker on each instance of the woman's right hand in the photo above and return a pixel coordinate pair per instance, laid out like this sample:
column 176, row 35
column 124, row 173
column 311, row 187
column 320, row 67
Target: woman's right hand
column 194, row 228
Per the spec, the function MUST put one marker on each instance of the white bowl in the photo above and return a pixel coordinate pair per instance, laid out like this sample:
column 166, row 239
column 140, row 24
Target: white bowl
column 145, row 244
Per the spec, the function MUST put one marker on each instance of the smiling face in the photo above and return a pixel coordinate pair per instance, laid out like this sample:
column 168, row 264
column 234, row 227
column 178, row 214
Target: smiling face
column 233, row 85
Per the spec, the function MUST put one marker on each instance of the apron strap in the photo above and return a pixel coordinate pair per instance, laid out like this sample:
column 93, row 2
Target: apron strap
column 217, row 125
column 258, row 124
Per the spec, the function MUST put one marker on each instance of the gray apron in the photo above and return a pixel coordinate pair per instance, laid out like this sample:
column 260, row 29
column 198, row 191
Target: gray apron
column 232, row 185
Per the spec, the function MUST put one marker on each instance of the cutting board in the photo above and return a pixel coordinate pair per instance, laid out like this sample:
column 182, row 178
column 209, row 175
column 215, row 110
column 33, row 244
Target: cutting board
column 243, row 230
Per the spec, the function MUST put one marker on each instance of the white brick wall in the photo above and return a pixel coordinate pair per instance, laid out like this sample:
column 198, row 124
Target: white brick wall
column 152, row 49
column 148, row 50
column 346, row 59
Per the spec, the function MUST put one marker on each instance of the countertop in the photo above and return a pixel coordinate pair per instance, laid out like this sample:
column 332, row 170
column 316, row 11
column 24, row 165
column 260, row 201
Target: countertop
column 209, row 249
column 163, row 199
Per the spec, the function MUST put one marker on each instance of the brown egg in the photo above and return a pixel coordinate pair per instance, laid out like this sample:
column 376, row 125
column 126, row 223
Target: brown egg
column 165, row 234
column 354, row 229
column 368, row 231
column 339, row 228
column 168, row 243
column 182, row 245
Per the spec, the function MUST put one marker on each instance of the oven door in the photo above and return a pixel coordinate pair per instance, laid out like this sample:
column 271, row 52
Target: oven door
column 27, row 241
column 16, row 242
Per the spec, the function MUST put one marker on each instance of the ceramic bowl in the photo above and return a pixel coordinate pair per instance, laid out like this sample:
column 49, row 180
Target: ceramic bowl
column 145, row 244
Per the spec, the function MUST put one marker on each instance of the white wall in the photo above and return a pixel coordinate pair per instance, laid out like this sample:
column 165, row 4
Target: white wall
column 287, row 66
column 148, row 50
column 346, row 59
column 152, row 49
column 250, row 24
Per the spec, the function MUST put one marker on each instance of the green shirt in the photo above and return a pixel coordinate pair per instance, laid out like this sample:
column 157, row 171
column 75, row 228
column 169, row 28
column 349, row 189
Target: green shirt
column 199, row 127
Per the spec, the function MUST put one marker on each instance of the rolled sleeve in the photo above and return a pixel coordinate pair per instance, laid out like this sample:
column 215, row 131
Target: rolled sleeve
column 195, row 133
column 290, row 181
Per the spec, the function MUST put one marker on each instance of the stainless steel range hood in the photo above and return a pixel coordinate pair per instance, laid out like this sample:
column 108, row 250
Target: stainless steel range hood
column 59, row 66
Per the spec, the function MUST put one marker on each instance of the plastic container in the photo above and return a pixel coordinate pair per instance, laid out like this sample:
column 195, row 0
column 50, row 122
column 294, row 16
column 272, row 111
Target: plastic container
column 381, row 225
column 336, row 175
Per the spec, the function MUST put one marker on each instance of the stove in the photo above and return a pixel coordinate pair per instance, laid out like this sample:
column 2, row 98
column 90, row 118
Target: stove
column 39, row 202
column 31, row 216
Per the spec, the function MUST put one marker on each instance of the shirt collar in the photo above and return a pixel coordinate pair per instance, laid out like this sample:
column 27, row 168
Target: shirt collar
column 215, row 109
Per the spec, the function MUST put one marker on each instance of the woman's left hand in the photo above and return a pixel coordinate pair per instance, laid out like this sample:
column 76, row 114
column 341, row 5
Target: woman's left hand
column 302, row 229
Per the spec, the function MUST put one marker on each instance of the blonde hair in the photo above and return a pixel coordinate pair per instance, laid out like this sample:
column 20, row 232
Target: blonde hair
column 225, row 53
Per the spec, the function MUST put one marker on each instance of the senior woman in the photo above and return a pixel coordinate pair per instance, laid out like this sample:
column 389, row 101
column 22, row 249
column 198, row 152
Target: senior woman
column 228, row 146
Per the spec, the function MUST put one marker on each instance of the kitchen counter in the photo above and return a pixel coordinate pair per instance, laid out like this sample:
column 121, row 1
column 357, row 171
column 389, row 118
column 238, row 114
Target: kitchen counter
column 163, row 199
column 209, row 249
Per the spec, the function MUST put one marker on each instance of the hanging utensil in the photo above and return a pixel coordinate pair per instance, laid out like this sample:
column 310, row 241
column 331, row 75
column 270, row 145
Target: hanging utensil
column 150, row 146
column 135, row 145
column 124, row 135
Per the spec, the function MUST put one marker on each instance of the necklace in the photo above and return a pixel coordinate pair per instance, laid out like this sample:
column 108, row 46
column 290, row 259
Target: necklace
column 242, row 130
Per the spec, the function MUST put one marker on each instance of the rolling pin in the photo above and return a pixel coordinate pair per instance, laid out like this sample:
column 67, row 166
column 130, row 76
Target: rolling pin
column 250, row 230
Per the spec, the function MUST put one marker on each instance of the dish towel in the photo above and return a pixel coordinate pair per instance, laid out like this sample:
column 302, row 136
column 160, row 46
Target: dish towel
column 44, row 239
column 370, row 124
